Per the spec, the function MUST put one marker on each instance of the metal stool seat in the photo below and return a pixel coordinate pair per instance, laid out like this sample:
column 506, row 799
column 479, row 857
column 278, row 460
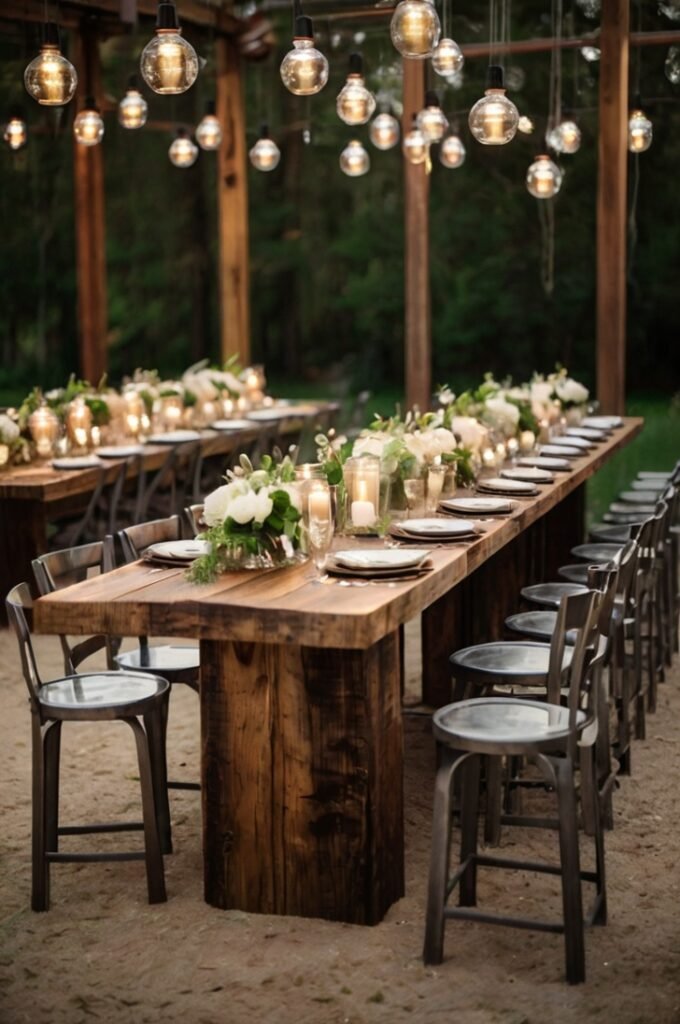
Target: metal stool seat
column 549, row 595
column 506, row 661
column 654, row 475
column 574, row 573
column 638, row 497
column 537, row 625
column 656, row 486
column 635, row 509
column 600, row 551
column 612, row 533
column 102, row 690
column 166, row 659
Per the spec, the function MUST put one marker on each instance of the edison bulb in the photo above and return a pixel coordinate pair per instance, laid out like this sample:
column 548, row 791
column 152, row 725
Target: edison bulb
column 265, row 154
column 544, row 178
column 183, row 150
column 50, row 78
column 354, row 160
column 565, row 137
column 525, row 125
column 133, row 108
column 209, row 130
column 452, row 152
column 639, row 132
column 671, row 66
column 431, row 120
column 169, row 64
column 493, row 120
column 448, row 58
column 415, row 145
column 355, row 103
column 16, row 133
column 415, row 28
column 304, row 69
column 384, row 131
column 88, row 126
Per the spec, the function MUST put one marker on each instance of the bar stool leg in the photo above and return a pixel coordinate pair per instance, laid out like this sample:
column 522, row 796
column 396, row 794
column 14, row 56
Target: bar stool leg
column 439, row 857
column 571, row 872
column 52, row 748
column 40, row 878
column 155, row 876
column 156, row 733
column 469, row 814
column 494, row 796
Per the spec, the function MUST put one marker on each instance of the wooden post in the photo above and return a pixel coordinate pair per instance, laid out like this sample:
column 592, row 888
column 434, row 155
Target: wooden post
column 417, row 327
column 612, row 206
column 88, row 186
column 233, row 205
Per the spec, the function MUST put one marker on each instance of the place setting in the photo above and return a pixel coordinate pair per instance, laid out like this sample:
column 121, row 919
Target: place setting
column 556, row 465
column 528, row 474
column 477, row 506
column 502, row 485
column 587, row 433
column 560, row 451
column 381, row 565
column 443, row 529
column 176, row 554
column 68, row 462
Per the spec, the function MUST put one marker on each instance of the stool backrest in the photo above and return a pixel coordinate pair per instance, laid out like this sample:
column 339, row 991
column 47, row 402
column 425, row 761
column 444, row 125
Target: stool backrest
column 19, row 604
column 193, row 519
column 135, row 539
column 579, row 614
column 573, row 617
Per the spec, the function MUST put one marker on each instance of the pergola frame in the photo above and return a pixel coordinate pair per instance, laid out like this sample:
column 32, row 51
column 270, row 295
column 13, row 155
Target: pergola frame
column 614, row 42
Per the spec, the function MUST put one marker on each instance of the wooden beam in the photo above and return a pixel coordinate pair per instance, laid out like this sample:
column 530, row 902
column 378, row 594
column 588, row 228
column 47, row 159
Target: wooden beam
column 232, row 190
column 612, row 207
column 417, row 327
column 191, row 12
column 88, row 183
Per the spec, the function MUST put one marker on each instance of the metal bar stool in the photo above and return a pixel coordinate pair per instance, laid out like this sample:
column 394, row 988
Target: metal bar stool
column 135, row 699
column 549, row 734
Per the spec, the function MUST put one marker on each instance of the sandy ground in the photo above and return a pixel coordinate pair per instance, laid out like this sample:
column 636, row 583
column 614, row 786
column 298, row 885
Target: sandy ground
column 103, row 954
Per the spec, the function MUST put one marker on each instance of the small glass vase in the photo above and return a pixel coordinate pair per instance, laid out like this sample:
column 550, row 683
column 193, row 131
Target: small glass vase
column 268, row 553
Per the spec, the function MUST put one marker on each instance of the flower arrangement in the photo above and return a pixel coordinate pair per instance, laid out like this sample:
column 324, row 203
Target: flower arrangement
column 254, row 520
column 569, row 392
column 58, row 399
column 13, row 447
column 417, row 442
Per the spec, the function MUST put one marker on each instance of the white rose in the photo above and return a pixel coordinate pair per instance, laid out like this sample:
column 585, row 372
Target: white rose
column 444, row 440
column 201, row 385
column 446, row 396
column 9, row 430
column 293, row 493
column 502, row 415
column 216, row 505
column 569, row 390
column 520, row 394
column 370, row 444
column 470, row 431
column 418, row 445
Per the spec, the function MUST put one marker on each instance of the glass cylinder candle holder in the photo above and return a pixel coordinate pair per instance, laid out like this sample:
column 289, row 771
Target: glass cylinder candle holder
column 362, row 485
column 134, row 413
column 489, row 458
column 501, row 453
column 255, row 383
column 308, row 476
column 512, row 446
column 436, row 476
column 45, row 428
column 527, row 440
column 171, row 411
column 243, row 404
column 4, row 456
column 79, row 424
column 228, row 407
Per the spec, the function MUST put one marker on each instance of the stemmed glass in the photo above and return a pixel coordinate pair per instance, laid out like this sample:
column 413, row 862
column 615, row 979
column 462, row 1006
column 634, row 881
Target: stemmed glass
column 320, row 535
column 414, row 492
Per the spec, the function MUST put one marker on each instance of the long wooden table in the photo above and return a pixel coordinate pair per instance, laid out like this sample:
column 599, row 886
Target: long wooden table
column 300, row 698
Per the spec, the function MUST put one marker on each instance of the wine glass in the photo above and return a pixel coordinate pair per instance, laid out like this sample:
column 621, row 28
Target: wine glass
column 414, row 492
column 320, row 536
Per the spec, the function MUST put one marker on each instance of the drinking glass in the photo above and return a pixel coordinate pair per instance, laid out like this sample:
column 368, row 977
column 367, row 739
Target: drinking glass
column 320, row 537
column 414, row 492
column 435, row 486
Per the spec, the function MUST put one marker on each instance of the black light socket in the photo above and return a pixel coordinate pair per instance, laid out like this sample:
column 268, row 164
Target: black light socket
column 637, row 101
column 264, row 130
column 51, row 34
column 356, row 64
column 210, row 108
column 167, row 16
column 133, row 82
column 494, row 77
column 90, row 104
column 431, row 99
column 181, row 133
column 304, row 29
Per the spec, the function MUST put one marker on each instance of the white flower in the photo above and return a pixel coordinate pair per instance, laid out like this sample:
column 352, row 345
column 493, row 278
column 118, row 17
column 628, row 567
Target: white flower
column 201, row 385
column 293, row 492
column 472, row 433
column 541, row 398
column 371, row 444
column 217, row 503
column 251, row 507
column 427, row 445
column 9, row 430
column 569, row 390
column 521, row 393
column 501, row 415
column 227, row 380
column 446, row 395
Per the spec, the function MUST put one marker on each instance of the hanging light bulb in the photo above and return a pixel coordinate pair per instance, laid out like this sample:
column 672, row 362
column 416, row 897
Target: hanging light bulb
column 639, row 132
column 384, row 131
column 448, row 58
column 16, row 133
column 265, row 154
column 354, row 160
column 415, row 145
column 493, row 119
column 415, row 28
column 355, row 104
column 671, row 66
column 525, row 125
column 452, row 152
column 564, row 137
column 50, row 78
column 183, row 150
column 88, row 126
column 304, row 69
column 169, row 64
column 544, row 178
column 133, row 108
column 431, row 120
column 209, row 130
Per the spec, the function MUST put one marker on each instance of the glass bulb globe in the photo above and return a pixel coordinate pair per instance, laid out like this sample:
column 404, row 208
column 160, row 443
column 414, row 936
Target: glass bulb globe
column 169, row 64
column 88, row 126
column 50, row 78
column 544, row 178
column 565, row 137
column 415, row 146
column 672, row 65
column 16, row 133
column 265, row 154
column 432, row 122
column 183, row 151
column 415, row 28
column 525, row 125
column 448, row 58
column 209, row 132
column 132, row 109
column 384, row 131
column 355, row 104
column 639, row 132
column 493, row 120
column 452, row 152
column 354, row 160
column 304, row 69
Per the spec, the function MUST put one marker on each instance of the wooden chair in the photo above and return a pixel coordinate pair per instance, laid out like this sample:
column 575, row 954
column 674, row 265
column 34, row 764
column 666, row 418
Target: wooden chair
column 135, row 699
column 550, row 735
column 193, row 520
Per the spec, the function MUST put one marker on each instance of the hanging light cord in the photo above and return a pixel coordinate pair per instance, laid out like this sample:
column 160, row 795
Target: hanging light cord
column 632, row 216
column 546, row 217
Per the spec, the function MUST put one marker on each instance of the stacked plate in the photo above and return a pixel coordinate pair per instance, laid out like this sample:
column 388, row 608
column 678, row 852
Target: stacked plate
column 572, row 442
column 560, row 450
column 445, row 529
column 231, row 425
column 602, row 422
column 528, row 474
column 590, row 433
column 543, row 462
column 499, row 485
column 121, row 451
column 174, row 437
column 176, row 553
column 379, row 564
column 77, row 462
column 477, row 506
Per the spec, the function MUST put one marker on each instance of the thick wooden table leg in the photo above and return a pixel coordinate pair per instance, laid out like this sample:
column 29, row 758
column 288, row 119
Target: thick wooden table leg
column 23, row 536
column 302, row 779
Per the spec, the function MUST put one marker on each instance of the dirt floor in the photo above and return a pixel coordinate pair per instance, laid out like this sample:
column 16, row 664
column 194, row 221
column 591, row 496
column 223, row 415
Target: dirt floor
column 103, row 954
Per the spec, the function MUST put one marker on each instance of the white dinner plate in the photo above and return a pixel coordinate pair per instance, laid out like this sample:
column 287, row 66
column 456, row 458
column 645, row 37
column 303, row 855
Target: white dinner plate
column 542, row 462
column 530, row 474
column 181, row 550
column 119, row 451
column 269, row 415
column 602, row 422
column 438, row 527
column 497, row 484
column 572, row 442
column 174, row 437
column 77, row 462
column 560, row 450
column 588, row 432
column 231, row 425
column 474, row 506
column 381, row 560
